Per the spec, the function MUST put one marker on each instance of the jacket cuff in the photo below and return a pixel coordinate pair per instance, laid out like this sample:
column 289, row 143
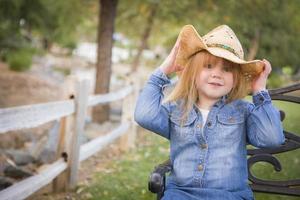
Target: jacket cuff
column 159, row 77
column 261, row 97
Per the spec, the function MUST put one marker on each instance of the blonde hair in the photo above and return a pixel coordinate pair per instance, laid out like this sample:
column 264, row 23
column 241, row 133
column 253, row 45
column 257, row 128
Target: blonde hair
column 186, row 89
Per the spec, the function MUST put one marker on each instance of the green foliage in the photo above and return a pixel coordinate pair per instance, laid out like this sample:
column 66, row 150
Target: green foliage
column 287, row 70
column 20, row 60
column 275, row 81
column 276, row 22
column 64, row 71
column 27, row 21
column 70, row 43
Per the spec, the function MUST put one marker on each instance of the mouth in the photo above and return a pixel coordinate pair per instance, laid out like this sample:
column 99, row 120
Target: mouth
column 215, row 84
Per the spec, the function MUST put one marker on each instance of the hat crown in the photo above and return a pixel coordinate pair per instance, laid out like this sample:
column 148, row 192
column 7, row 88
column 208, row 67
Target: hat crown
column 224, row 37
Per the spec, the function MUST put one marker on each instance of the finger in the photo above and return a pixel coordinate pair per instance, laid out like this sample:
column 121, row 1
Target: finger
column 267, row 66
column 174, row 53
column 174, row 49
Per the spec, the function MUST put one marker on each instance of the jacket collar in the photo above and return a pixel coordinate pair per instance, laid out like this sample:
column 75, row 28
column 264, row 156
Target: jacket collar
column 219, row 103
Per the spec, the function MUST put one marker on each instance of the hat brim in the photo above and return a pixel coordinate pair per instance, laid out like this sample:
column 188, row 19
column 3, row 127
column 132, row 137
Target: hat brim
column 191, row 43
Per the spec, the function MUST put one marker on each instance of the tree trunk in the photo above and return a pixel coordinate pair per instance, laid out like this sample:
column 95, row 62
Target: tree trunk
column 105, row 41
column 254, row 45
column 145, row 36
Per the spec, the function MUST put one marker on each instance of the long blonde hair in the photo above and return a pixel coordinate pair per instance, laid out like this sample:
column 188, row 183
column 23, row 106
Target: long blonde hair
column 186, row 89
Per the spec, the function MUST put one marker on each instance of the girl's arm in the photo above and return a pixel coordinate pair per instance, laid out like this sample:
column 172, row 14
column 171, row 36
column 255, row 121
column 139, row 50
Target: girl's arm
column 264, row 128
column 149, row 112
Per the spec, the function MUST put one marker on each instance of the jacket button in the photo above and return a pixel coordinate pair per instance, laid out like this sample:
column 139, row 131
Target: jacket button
column 231, row 119
column 208, row 124
column 200, row 167
column 204, row 146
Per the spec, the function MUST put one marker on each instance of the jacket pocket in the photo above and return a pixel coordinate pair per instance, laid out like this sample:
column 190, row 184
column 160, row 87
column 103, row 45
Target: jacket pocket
column 230, row 127
column 183, row 132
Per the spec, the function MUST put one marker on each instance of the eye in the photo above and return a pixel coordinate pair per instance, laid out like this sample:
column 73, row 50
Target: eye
column 227, row 69
column 208, row 66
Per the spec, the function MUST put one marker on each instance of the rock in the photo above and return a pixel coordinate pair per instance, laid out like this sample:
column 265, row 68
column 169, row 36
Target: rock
column 47, row 156
column 17, row 139
column 4, row 162
column 16, row 172
column 38, row 147
column 20, row 157
column 44, row 150
column 5, row 182
column 53, row 136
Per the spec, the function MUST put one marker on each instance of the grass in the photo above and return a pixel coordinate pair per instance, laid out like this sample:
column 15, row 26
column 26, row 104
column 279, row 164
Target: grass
column 127, row 177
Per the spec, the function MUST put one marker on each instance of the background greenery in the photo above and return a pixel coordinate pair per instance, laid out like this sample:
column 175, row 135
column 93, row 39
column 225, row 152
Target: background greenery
column 273, row 25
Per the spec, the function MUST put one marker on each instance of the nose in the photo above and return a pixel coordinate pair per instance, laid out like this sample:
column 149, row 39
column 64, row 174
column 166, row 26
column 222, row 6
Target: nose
column 216, row 72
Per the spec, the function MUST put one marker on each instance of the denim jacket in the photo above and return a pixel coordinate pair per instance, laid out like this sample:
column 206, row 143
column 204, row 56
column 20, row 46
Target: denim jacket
column 213, row 156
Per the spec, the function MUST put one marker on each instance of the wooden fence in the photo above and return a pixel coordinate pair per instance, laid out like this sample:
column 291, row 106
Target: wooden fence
column 63, row 172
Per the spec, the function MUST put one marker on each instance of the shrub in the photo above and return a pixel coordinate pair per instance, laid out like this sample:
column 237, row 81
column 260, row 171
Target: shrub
column 20, row 60
column 275, row 81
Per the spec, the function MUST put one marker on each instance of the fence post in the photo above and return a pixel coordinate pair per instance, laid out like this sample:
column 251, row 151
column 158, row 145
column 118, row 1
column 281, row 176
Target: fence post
column 60, row 182
column 81, row 98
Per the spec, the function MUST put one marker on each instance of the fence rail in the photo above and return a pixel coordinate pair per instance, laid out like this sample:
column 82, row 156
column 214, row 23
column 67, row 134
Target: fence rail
column 92, row 147
column 33, row 115
column 30, row 116
column 25, row 188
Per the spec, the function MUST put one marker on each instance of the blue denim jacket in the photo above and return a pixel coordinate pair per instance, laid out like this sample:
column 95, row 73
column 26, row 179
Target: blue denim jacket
column 209, row 160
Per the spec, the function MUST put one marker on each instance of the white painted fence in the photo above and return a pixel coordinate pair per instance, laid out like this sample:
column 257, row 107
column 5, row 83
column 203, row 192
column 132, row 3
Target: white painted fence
column 30, row 116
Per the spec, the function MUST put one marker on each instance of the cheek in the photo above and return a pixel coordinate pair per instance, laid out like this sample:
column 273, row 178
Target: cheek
column 201, row 78
column 230, row 81
column 199, row 81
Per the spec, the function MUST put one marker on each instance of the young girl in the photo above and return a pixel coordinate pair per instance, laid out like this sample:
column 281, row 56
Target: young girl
column 204, row 117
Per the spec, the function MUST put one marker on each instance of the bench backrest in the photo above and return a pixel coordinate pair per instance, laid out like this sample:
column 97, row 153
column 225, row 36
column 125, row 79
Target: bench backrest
column 285, row 187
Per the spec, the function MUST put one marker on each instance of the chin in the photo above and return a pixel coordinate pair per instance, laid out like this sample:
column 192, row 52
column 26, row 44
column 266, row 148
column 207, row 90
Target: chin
column 217, row 94
column 214, row 96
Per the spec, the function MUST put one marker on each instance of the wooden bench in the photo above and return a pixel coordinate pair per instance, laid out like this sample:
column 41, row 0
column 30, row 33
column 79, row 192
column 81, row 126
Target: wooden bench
column 156, row 182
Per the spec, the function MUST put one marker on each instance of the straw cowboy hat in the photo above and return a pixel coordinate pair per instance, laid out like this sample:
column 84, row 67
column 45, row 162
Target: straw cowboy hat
column 220, row 42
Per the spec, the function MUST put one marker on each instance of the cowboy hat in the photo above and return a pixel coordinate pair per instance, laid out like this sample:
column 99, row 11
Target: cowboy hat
column 221, row 42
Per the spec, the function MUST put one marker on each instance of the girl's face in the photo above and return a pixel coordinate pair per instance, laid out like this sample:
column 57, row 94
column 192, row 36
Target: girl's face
column 215, row 79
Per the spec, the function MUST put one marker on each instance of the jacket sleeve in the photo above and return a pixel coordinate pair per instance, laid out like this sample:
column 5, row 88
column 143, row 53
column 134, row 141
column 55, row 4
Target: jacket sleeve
column 149, row 112
column 264, row 128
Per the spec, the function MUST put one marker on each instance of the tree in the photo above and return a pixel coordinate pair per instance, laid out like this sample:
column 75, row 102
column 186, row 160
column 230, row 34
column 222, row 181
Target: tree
column 54, row 21
column 105, row 41
column 267, row 29
column 145, row 35
column 155, row 21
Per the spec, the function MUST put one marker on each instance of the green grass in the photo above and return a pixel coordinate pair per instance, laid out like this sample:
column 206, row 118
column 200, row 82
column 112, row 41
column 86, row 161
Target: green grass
column 127, row 177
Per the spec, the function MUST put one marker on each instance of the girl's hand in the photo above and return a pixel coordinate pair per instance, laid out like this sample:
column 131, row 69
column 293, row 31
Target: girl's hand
column 168, row 66
column 260, row 82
